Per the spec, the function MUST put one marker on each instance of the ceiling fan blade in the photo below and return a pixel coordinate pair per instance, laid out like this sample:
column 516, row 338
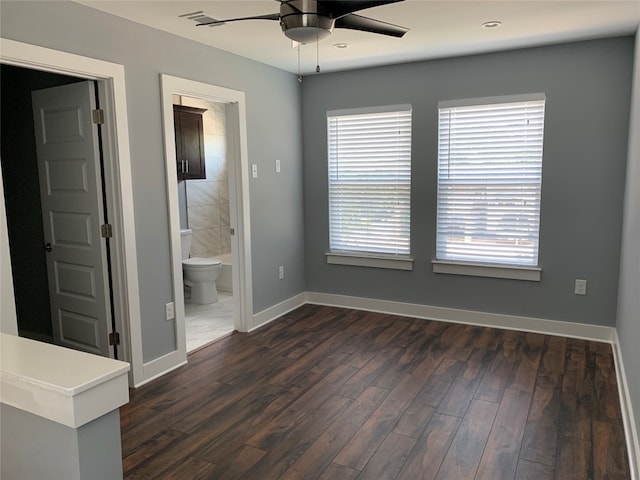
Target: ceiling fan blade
column 339, row 8
column 365, row 24
column 270, row 16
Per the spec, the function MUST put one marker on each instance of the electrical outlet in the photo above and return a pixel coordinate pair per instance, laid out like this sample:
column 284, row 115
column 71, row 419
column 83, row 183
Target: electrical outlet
column 170, row 311
column 581, row 287
column 277, row 166
column 281, row 272
column 254, row 170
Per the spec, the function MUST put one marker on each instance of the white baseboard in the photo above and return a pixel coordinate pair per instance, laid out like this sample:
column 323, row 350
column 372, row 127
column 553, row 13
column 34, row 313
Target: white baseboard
column 628, row 418
column 468, row 317
column 272, row 313
column 161, row 366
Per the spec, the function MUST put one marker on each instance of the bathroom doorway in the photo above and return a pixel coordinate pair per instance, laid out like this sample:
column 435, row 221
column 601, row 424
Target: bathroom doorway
column 204, row 210
column 215, row 209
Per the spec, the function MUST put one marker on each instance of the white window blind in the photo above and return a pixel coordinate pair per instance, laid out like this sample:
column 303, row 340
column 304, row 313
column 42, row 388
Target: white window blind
column 489, row 180
column 370, row 180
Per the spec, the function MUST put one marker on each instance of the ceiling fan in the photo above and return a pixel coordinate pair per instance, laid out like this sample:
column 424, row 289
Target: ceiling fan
column 305, row 21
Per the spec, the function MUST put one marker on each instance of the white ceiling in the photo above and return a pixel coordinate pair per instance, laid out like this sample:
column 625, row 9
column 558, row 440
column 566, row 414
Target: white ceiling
column 437, row 28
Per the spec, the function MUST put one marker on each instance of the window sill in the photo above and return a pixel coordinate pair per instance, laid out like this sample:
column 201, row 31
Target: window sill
column 364, row 260
column 531, row 274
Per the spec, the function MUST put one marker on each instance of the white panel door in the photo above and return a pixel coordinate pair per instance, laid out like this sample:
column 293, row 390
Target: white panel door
column 72, row 211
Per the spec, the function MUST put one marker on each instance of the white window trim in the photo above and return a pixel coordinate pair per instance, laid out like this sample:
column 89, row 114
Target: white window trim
column 368, row 110
column 512, row 272
column 365, row 260
column 470, row 102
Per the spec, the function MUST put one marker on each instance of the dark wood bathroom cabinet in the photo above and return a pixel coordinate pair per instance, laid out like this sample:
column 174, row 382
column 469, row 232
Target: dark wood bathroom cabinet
column 189, row 142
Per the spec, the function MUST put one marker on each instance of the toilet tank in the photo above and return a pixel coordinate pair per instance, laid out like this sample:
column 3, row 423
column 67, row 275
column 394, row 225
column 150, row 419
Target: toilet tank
column 185, row 243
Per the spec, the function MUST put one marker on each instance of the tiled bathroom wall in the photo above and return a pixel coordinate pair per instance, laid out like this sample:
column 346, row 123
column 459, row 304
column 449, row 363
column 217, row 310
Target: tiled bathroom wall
column 208, row 199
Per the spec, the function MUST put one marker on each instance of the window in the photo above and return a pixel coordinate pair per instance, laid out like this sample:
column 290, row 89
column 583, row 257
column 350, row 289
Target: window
column 489, row 181
column 369, row 184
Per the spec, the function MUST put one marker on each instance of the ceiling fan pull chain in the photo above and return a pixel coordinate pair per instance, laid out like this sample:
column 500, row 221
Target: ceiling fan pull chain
column 317, row 54
column 299, row 74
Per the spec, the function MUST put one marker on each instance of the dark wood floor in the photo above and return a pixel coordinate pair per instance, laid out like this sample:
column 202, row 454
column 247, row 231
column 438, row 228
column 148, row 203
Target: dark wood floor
column 328, row 393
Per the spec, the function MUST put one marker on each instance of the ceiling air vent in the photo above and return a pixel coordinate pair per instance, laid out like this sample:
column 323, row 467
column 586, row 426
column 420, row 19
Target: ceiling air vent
column 201, row 17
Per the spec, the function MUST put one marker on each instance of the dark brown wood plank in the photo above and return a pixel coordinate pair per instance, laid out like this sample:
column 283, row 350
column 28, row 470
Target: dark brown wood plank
column 243, row 459
column 147, row 449
column 276, row 429
column 576, row 406
column 338, row 472
column 497, row 375
column 411, row 356
column 320, row 454
column 463, row 457
column 192, row 468
column 500, row 457
column 389, row 458
column 533, row 471
column 606, row 404
column 221, row 449
column 541, row 431
column 458, row 398
column 363, row 445
column 431, row 448
column 553, row 356
column 417, row 415
column 458, row 340
column 283, row 454
column 523, row 375
column 149, row 424
column 369, row 372
column 575, row 356
column 486, row 338
column 574, row 459
column 609, row 453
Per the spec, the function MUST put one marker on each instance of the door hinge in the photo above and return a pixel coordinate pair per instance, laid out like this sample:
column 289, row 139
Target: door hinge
column 98, row 116
column 106, row 230
column 114, row 338
column 232, row 231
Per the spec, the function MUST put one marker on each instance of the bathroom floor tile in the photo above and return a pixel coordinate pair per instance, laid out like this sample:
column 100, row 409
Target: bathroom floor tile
column 206, row 323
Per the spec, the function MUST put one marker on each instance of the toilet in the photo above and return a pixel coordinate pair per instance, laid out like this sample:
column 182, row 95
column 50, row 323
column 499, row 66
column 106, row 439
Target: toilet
column 199, row 273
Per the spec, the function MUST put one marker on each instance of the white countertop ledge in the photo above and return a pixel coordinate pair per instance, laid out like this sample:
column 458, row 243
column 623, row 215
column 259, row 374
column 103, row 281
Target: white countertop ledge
column 60, row 384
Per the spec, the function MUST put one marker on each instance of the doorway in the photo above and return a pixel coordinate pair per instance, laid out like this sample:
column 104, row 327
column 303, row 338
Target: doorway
column 118, row 192
column 53, row 191
column 231, row 103
column 204, row 207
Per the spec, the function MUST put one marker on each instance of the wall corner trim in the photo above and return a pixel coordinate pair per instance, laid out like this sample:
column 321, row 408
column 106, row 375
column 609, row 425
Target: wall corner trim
column 630, row 432
column 161, row 366
column 270, row 314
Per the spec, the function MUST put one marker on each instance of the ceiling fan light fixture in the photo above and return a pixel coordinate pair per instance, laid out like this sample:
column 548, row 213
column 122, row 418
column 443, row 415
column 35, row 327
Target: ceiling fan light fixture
column 306, row 27
column 306, row 35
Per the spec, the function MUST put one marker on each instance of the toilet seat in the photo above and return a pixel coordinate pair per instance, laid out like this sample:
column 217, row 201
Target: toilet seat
column 200, row 262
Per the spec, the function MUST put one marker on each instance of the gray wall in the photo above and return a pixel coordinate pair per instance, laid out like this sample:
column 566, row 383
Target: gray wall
column 273, row 130
column 628, row 323
column 587, row 86
column 33, row 447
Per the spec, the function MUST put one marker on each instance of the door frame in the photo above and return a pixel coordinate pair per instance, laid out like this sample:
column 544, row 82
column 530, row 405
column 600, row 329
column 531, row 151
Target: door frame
column 119, row 188
column 238, row 192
